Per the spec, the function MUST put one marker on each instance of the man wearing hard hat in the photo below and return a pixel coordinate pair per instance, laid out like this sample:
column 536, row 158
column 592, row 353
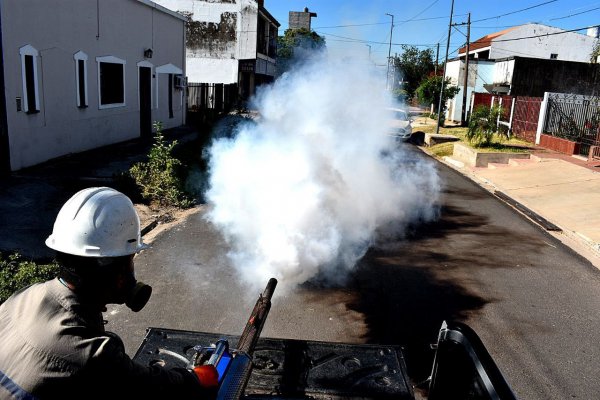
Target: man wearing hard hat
column 52, row 339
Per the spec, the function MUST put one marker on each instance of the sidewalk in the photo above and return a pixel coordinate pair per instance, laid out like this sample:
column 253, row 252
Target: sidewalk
column 31, row 198
column 560, row 189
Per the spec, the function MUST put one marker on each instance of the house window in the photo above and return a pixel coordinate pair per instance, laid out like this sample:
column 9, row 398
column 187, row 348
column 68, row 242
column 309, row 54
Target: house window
column 81, row 79
column 170, row 94
column 111, row 82
column 29, row 74
column 553, row 56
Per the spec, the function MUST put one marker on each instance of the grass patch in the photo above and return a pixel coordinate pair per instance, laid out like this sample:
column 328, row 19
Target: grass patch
column 442, row 149
column 499, row 145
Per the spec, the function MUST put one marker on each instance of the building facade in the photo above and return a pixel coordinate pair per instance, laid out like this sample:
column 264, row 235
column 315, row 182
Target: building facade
column 229, row 42
column 534, row 41
column 81, row 74
column 301, row 19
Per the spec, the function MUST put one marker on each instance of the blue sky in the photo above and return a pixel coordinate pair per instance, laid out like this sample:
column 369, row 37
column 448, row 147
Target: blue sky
column 351, row 26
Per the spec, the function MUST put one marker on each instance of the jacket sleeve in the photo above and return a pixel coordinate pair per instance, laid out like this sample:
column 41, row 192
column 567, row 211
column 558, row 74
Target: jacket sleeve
column 112, row 372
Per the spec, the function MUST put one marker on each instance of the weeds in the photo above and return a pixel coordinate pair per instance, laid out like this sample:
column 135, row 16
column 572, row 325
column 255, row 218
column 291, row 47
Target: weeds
column 17, row 273
column 483, row 126
column 161, row 177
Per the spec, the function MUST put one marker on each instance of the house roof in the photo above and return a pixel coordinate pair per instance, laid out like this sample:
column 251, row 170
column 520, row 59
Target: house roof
column 485, row 41
column 163, row 9
column 269, row 16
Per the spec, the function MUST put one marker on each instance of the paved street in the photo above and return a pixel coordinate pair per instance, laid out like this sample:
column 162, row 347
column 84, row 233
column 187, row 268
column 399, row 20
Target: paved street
column 533, row 301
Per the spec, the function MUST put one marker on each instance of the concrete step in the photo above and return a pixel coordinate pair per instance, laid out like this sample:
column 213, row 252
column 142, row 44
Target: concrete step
column 454, row 161
column 515, row 162
column 496, row 165
column 537, row 158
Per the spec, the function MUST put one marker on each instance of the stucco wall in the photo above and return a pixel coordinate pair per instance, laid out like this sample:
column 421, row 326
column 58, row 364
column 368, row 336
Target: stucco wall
column 212, row 70
column 223, row 30
column 453, row 71
column 122, row 29
column 485, row 75
column 503, row 72
column 570, row 46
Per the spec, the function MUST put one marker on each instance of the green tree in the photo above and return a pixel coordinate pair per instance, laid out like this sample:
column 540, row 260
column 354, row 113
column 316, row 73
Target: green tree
column 414, row 65
column 428, row 91
column 483, row 125
column 296, row 44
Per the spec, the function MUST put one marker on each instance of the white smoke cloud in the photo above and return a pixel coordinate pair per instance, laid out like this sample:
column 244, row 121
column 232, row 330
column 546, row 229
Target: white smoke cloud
column 305, row 189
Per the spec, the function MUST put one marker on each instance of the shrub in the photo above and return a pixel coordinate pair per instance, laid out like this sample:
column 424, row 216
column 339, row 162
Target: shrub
column 161, row 177
column 483, row 125
column 17, row 273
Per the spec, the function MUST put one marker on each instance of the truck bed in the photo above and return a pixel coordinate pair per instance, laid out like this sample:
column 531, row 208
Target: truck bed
column 286, row 368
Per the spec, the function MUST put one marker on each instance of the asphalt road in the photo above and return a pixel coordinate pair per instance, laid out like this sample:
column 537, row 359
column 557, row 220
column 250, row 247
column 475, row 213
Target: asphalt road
column 534, row 302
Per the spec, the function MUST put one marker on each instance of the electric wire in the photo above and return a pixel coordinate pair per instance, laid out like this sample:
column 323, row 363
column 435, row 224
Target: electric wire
column 516, row 11
column 572, row 15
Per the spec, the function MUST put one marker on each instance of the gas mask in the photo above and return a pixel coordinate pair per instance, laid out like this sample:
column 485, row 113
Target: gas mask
column 133, row 293
column 138, row 296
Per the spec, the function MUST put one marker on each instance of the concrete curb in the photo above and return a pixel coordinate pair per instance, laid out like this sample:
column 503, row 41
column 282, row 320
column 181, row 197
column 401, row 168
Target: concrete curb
column 149, row 227
column 543, row 222
column 530, row 214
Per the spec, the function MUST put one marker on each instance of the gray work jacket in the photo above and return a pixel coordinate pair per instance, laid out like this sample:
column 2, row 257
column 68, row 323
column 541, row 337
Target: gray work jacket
column 54, row 347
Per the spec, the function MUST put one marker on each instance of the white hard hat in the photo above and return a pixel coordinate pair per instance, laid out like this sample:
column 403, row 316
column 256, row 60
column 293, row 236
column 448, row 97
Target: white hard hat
column 97, row 222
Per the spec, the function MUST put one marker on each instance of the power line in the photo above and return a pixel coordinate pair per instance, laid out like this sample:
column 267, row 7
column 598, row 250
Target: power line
column 562, row 32
column 351, row 25
column 386, row 23
column 355, row 40
column 426, row 8
column 517, row 11
column 572, row 15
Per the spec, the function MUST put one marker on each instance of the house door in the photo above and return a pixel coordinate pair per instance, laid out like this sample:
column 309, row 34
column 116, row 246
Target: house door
column 145, row 85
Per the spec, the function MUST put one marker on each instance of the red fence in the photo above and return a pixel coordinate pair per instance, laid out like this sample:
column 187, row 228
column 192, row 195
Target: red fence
column 525, row 117
column 485, row 99
column 568, row 116
column 482, row 99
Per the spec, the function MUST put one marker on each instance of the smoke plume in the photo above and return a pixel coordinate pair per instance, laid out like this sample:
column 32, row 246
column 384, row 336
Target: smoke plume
column 306, row 188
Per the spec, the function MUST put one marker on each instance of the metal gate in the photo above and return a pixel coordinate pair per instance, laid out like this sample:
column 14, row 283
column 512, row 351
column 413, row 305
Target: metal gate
column 574, row 117
column 216, row 96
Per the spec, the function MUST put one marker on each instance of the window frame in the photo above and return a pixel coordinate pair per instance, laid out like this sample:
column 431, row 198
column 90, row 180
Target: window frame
column 24, row 52
column 78, row 57
column 166, row 69
column 110, row 60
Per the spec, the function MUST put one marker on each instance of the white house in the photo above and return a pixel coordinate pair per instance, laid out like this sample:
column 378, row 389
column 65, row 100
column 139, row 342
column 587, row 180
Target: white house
column 481, row 73
column 229, row 42
column 81, row 74
column 533, row 41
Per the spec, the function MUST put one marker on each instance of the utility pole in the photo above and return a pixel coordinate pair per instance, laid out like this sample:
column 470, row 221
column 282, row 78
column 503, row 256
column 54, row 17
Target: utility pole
column 463, row 113
column 369, row 46
column 387, row 77
column 437, row 54
column 439, row 110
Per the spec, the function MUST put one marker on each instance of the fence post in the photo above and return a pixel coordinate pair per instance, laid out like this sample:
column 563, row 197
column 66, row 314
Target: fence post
column 498, row 118
column 471, row 103
column 541, row 118
column 510, row 120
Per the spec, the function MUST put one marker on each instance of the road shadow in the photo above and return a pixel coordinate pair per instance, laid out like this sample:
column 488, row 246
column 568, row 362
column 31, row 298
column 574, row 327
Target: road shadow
column 407, row 286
